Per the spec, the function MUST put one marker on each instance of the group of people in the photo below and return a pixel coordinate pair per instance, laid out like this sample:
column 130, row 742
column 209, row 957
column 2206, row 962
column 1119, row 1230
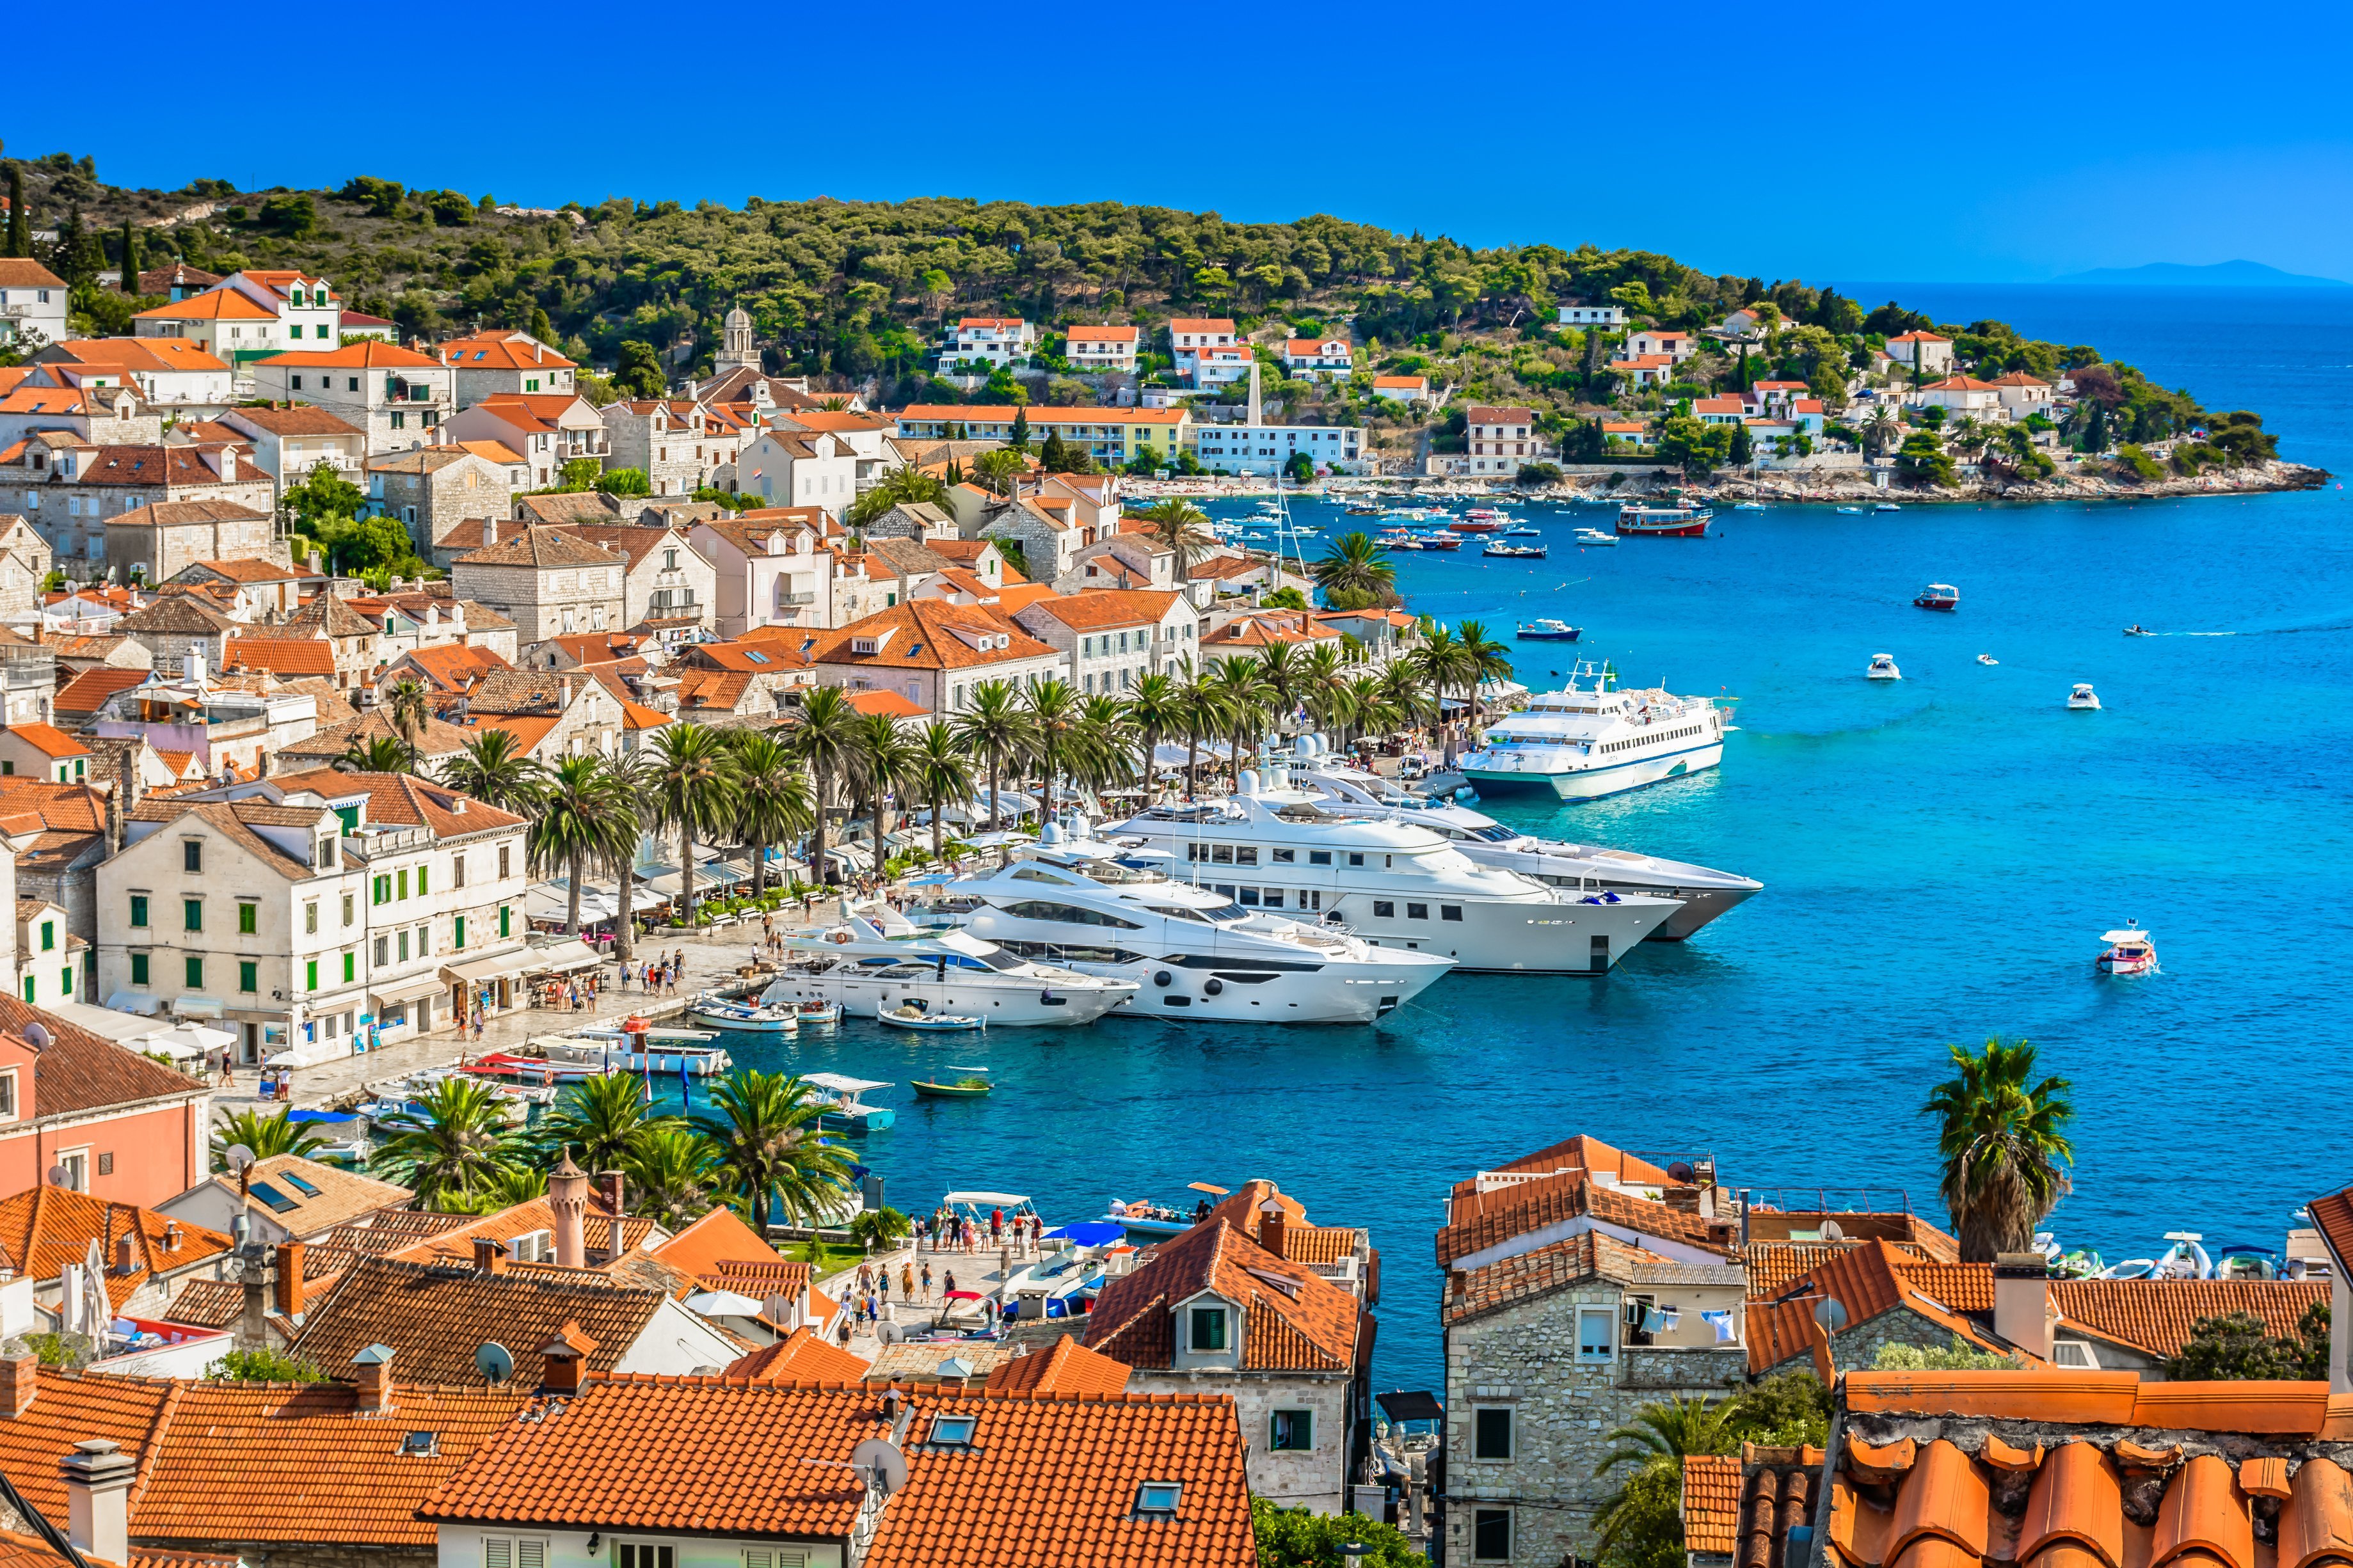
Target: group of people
column 657, row 976
column 948, row 1231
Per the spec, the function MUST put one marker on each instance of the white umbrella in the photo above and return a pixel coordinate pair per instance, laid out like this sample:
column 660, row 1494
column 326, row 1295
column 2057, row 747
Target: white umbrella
column 97, row 1310
column 189, row 1032
column 722, row 1304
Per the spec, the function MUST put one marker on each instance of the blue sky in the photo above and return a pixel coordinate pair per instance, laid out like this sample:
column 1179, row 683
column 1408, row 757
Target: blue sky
column 1843, row 141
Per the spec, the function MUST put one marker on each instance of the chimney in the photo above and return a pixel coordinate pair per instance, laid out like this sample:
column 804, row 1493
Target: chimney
column 490, row 1257
column 126, row 1256
column 373, row 1380
column 19, row 1381
column 610, row 1193
column 568, row 1194
column 1270, row 1226
column 489, row 532
column 288, row 1296
column 2022, row 1301
column 98, row 1475
column 564, row 1359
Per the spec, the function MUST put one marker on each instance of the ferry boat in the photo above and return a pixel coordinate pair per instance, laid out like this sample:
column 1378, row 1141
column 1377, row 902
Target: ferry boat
column 1596, row 536
column 1391, row 883
column 1586, row 868
column 1547, row 631
column 1591, row 739
column 1883, row 667
column 2129, row 951
column 1516, row 551
column 876, row 956
column 1938, row 596
column 1195, row 952
column 1664, row 522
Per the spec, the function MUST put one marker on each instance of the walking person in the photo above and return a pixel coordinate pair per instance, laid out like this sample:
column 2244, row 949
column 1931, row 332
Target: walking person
column 927, row 1281
column 907, row 1282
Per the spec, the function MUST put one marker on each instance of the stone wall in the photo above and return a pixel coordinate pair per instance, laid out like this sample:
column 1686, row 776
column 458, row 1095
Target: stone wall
column 1315, row 1479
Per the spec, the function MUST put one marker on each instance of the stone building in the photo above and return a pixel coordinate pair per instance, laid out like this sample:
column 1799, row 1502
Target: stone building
column 670, row 587
column 434, row 489
column 549, row 581
column 679, row 445
column 160, row 540
column 1581, row 1284
column 177, row 627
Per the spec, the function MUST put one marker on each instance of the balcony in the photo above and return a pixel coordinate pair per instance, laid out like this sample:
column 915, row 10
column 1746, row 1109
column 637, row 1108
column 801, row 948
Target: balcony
column 796, row 598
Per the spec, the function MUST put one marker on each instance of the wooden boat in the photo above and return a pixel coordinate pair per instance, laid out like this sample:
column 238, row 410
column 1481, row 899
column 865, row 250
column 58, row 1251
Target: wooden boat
column 745, row 1016
column 820, row 1015
column 1664, row 522
column 907, row 1015
column 971, row 1087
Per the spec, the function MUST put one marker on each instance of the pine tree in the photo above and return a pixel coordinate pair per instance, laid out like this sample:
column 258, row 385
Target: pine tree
column 541, row 327
column 1744, row 446
column 69, row 247
column 131, row 258
column 1020, row 441
column 1055, row 455
column 20, row 227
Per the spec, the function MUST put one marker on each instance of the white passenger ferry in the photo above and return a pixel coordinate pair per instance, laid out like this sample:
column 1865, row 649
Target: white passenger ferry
column 1591, row 739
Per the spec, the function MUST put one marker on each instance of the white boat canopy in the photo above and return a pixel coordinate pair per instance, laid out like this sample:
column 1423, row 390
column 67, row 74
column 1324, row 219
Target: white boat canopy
column 2120, row 936
column 842, row 1084
column 994, row 1200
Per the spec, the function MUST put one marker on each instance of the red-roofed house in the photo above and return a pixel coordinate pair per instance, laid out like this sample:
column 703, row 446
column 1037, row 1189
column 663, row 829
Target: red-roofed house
column 1961, row 395
column 32, row 299
column 1113, row 637
column 1401, row 388
column 500, row 359
column 1676, row 346
column 931, row 652
column 399, row 396
column 1501, row 439
column 1104, row 348
column 1930, row 352
column 1646, row 369
column 1318, row 358
column 37, row 751
column 993, row 342
column 546, row 429
column 125, row 1127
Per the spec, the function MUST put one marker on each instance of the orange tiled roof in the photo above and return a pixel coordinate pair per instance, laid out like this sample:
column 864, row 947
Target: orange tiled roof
column 1070, row 1368
column 402, row 798
column 44, row 1228
column 1774, row 1266
column 1582, row 1152
column 1294, row 1318
column 1711, row 1503
column 890, row 702
column 1045, row 1475
column 719, row 1236
column 801, row 1356
column 368, row 354
column 1481, row 1220
column 924, row 636
column 437, row 1316
column 214, row 305
column 49, row 740
column 281, row 656
column 1868, row 1280
column 2332, row 1217
column 2158, row 1315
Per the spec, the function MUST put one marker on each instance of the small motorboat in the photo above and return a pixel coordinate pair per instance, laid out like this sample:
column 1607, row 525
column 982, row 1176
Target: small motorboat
column 1988, row 658
column 1145, row 1220
column 750, row 1018
column 972, row 1086
column 1883, row 667
column 1938, row 596
column 842, row 1110
column 2137, row 630
column 2185, row 1260
column 1887, row 506
column 1364, row 511
column 2245, row 1261
column 820, row 1015
column 2129, row 951
column 1596, row 536
column 2078, row 1263
column 915, row 1015
column 1749, row 506
column 1524, row 533
column 1546, row 631
column 2083, row 699
column 1516, row 551
column 1855, row 511
column 2130, row 1268
column 1441, row 541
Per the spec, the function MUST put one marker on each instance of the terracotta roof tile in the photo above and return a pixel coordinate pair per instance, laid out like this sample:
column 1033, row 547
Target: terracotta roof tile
column 436, row 1316
column 49, row 740
column 1711, row 1502
column 78, row 1071
column 1070, row 1368
column 2158, row 1315
column 281, row 656
column 1294, row 1318
column 1484, row 1220
column 719, row 1236
column 331, row 1197
column 541, row 547
column 924, row 635
column 44, row 1228
column 801, row 1356
column 87, row 693
column 402, row 798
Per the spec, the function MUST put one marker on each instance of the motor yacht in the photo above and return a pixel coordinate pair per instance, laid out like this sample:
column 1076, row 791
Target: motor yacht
column 1596, row 536
column 2083, row 699
column 1393, row 883
column 1590, row 739
column 1883, row 667
column 1188, row 950
column 1584, row 868
column 875, row 957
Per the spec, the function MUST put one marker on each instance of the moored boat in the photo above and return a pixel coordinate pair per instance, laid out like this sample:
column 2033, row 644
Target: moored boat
column 972, row 1086
column 750, row 1018
column 1516, row 551
column 2129, row 951
column 1595, row 536
column 912, row 1015
column 843, row 1110
column 1663, row 523
column 1938, row 596
column 1546, row 631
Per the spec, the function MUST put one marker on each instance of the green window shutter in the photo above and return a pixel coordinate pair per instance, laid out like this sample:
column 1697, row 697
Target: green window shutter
column 311, row 975
column 138, row 910
column 505, row 920
column 65, row 981
column 49, row 936
column 457, row 929
column 401, row 881
column 138, row 969
column 194, row 973
column 249, row 977
column 350, row 972
column 191, row 913
column 423, row 872
column 247, row 917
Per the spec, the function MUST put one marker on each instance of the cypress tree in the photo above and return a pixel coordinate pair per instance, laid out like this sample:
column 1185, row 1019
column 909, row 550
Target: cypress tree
column 1020, row 441
column 20, row 228
column 131, row 258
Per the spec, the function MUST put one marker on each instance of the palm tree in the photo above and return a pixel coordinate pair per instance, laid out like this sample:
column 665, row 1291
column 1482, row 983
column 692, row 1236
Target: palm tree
column 772, row 799
column 452, row 1143
column 1242, row 697
column 1101, row 755
column 899, row 486
column 1401, row 692
column 884, row 762
column 1155, row 708
column 764, row 1148
column 602, row 1121
column 671, row 1172
column 1323, row 682
column 827, row 741
column 1483, row 660
column 377, row 754
column 2002, row 1142
column 1184, row 528
column 573, row 826
column 694, row 792
column 1052, row 709
column 265, row 1135
column 994, row 724
column 939, row 770
column 1358, row 567
column 494, row 770
column 997, row 469
column 1656, row 1444
column 1366, row 707
column 1201, row 710
column 406, row 703
column 630, row 777
column 1882, row 429
column 1440, row 663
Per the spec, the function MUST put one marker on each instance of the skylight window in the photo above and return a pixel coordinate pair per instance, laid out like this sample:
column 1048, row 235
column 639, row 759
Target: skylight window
column 1159, row 1498
column 954, row 1431
column 420, row 1444
column 757, row 657
column 279, row 1201
column 298, row 1184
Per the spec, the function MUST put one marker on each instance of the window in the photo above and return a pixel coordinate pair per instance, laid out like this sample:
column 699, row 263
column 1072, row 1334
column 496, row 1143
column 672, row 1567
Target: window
column 1492, row 1433
column 192, row 855
column 1417, row 911
column 311, row 917
column 400, row 880
column 192, row 914
column 380, row 891
column 248, row 917
column 249, row 977
column 77, row 1169
column 1450, row 912
column 311, row 975
column 1319, row 857
column 138, row 909
column 347, row 909
column 1286, row 857
column 351, row 967
column 383, row 950
column 65, row 981
column 139, row 969
column 457, row 870
column 423, row 874
column 644, row 1554
column 1208, row 1330
column 1593, row 1332
column 514, row 1552
column 1356, row 859
column 1158, row 1496
column 193, row 974
column 8, row 1095
column 504, row 851
column 1291, row 1431
column 404, row 947
column 49, row 936
column 1490, row 1535
column 954, row 1430
column 1383, row 909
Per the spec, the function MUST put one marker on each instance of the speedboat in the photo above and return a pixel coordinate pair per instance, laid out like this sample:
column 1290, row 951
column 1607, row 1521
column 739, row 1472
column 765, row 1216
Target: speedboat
column 876, row 956
column 1595, row 536
column 2185, row 1260
column 819, row 1015
column 1886, row 506
column 1201, row 951
column 1588, row 741
column 537, row 1070
column 1988, row 658
column 1938, row 596
column 1854, row 510
column 1883, row 667
column 621, row 1054
column 1749, row 506
column 2129, row 951
column 1518, row 552
column 1389, row 882
column 1524, row 533
column 2130, row 1268
column 2083, row 699
column 1587, row 869
column 842, row 1110
column 2242, row 1261
column 1148, row 1220
column 750, row 1018
column 1546, row 631
column 912, row 1015
column 2137, row 630
column 1441, row 541
column 1664, row 522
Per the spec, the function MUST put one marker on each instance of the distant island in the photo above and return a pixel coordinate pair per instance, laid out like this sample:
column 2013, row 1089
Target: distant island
column 2221, row 275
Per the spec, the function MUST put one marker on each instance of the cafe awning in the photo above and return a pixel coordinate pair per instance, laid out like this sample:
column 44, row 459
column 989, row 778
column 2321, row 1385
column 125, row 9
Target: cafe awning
column 197, row 1007
column 414, row 989
column 563, row 958
column 498, row 965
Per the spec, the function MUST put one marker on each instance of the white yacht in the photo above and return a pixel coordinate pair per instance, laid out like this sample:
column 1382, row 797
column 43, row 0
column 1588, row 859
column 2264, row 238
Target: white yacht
column 1198, row 953
column 1393, row 883
column 1590, row 739
column 876, row 958
column 1586, row 867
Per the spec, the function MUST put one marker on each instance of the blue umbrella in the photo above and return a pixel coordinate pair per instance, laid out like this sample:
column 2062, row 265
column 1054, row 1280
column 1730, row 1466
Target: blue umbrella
column 1088, row 1233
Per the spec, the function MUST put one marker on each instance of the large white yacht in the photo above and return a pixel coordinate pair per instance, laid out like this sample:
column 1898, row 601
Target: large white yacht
column 1591, row 740
column 1394, row 883
column 1197, row 954
column 871, row 959
column 1586, row 867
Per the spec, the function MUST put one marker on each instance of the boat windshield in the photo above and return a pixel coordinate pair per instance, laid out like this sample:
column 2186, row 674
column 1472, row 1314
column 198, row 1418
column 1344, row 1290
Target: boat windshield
column 1494, row 833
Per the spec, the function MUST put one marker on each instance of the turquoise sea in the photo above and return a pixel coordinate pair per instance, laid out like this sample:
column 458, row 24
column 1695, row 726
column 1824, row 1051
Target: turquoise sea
column 1940, row 856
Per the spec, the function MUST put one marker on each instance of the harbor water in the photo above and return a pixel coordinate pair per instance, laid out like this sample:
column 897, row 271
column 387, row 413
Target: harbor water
column 1940, row 855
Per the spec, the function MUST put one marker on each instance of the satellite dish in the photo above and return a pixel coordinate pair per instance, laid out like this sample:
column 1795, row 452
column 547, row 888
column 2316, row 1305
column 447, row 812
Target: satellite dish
column 1833, row 1231
column 890, row 1333
column 36, row 1037
column 239, row 1156
column 59, row 1177
column 776, row 1308
column 494, row 1361
column 885, row 1467
column 1830, row 1313
column 1680, row 1174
